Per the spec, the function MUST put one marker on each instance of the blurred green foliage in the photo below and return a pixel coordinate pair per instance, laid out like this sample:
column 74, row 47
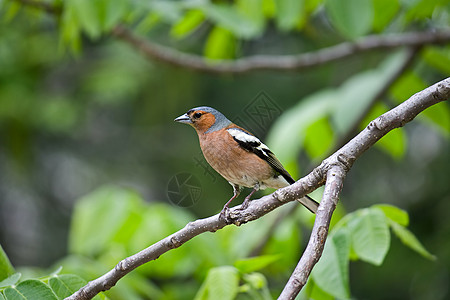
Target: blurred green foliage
column 86, row 135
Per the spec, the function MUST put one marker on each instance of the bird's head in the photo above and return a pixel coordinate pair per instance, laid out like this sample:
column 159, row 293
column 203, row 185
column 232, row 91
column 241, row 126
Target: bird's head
column 204, row 119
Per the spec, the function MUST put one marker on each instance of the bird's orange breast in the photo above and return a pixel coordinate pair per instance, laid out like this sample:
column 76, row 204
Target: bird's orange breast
column 235, row 164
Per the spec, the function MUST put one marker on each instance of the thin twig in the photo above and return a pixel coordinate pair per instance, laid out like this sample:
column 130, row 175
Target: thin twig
column 336, row 166
column 297, row 62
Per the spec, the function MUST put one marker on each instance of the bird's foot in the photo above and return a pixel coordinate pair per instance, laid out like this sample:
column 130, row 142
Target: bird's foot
column 224, row 214
column 245, row 204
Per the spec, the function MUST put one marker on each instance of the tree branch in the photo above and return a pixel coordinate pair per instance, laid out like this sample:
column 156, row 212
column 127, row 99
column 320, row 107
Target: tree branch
column 314, row 249
column 332, row 170
column 296, row 62
column 278, row 62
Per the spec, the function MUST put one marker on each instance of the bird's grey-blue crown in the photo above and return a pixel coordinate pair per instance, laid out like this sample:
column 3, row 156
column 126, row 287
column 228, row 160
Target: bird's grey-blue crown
column 221, row 120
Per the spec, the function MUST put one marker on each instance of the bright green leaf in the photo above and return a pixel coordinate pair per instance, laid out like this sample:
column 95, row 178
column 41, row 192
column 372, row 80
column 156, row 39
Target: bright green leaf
column 220, row 44
column 269, row 8
column 438, row 58
column 220, row 283
column 331, row 272
column 438, row 116
column 6, row 268
column 370, row 235
column 13, row 279
column 353, row 18
column 112, row 12
column 393, row 143
column 87, row 14
column 70, row 30
column 65, row 285
column 420, row 9
column 253, row 11
column 30, row 290
column 107, row 215
column 256, row 280
column 355, row 96
column 319, row 138
column 285, row 240
column 314, row 292
column 384, row 12
column 191, row 21
column 410, row 240
column 290, row 13
column 394, row 213
column 256, row 263
column 407, row 85
column 230, row 19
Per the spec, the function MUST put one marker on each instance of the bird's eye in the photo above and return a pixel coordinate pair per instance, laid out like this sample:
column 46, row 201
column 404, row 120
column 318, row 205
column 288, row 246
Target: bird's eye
column 197, row 115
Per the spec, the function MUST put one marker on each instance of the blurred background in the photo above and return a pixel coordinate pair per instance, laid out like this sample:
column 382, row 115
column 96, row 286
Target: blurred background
column 81, row 109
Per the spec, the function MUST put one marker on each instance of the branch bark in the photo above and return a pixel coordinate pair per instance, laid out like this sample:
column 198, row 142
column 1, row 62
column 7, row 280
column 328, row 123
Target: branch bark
column 297, row 62
column 314, row 249
column 332, row 171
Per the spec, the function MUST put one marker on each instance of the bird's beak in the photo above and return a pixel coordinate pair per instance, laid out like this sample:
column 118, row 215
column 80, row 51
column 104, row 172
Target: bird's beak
column 183, row 119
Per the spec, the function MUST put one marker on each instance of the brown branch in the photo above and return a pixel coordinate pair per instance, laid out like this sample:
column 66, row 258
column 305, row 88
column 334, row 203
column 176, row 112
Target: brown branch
column 332, row 170
column 278, row 62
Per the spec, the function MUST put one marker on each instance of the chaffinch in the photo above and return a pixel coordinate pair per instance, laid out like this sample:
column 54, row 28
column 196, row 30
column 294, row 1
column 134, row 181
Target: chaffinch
column 239, row 156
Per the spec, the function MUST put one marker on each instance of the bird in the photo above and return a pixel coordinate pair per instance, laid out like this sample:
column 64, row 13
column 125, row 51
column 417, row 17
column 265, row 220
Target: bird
column 238, row 156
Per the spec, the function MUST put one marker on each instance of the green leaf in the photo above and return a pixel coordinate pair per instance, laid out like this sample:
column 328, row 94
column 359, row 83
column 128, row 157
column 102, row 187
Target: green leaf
column 112, row 12
column 319, row 138
column 353, row 18
column 220, row 44
column 438, row 58
column 393, row 143
column 420, row 9
column 234, row 21
column 6, row 268
column 370, row 235
column 65, row 285
column 290, row 13
column 410, row 240
column 314, row 292
column 256, row 280
column 285, row 240
column 394, row 213
column 109, row 214
column 438, row 116
column 355, row 96
column 384, row 12
column 253, row 264
column 70, row 32
column 13, row 279
column 220, row 283
column 252, row 10
column 30, row 289
column 331, row 272
column 191, row 21
column 408, row 84
column 87, row 14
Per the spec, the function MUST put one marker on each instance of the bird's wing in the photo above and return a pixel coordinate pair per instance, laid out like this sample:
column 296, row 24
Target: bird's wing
column 252, row 144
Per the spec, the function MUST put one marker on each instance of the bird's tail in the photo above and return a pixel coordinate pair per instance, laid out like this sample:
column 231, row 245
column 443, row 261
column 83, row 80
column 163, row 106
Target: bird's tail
column 309, row 203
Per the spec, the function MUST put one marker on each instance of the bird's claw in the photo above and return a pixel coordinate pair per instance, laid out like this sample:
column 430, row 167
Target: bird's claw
column 224, row 214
